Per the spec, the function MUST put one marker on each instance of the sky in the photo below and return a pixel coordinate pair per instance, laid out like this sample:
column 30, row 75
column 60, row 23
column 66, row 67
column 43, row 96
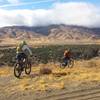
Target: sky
column 46, row 12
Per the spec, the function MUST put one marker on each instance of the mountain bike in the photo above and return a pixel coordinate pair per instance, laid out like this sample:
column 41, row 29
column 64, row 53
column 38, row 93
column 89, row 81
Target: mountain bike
column 20, row 66
column 69, row 63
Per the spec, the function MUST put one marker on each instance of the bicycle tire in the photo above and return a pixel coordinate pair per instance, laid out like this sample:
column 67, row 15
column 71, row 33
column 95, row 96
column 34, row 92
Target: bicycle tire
column 70, row 63
column 17, row 68
column 28, row 68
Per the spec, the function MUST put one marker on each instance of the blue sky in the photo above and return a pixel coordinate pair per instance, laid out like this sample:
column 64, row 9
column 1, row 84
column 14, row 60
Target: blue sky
column 47, row 12
column 37, row 4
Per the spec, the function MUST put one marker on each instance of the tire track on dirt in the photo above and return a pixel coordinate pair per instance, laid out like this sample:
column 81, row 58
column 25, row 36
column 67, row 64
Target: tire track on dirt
column 78, row 97
column 74, row 95
column 93, row 98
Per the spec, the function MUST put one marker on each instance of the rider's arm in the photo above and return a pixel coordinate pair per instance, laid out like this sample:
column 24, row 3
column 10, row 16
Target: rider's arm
column 25, row 47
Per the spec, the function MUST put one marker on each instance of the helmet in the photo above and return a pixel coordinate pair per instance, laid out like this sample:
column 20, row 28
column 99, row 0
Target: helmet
column 67, row 50
column 23, row 42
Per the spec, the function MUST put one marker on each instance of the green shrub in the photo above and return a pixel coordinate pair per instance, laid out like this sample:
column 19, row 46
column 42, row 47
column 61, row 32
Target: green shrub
column 45, row 54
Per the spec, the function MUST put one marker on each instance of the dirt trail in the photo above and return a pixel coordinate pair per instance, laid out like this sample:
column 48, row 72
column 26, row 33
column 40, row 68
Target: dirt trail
column 85, row 94
column 82, row 82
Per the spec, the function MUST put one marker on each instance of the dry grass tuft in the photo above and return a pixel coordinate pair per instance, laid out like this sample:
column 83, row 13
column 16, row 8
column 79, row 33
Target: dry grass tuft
column 59, row 74
column 45, row 71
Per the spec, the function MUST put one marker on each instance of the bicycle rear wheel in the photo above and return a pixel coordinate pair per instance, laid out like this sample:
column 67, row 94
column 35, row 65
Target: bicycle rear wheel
column 70, row 63
column 28, row 68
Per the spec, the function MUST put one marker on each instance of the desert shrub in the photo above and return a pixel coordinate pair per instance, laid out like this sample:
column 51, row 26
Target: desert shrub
column 54, row 53
column 8, row 54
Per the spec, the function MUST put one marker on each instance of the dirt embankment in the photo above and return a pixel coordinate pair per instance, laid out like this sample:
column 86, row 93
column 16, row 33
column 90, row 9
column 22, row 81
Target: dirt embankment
column 82, row 82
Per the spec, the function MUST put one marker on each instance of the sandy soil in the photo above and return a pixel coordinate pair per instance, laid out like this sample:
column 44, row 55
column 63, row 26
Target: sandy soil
column 46, row 41
column 82, row 82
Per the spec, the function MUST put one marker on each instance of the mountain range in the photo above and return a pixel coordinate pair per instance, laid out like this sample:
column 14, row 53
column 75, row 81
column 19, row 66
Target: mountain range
column 59, row 32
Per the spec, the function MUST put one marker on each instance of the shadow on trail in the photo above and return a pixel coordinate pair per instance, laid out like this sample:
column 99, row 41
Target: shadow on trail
column 32, row 75
column 59, row 74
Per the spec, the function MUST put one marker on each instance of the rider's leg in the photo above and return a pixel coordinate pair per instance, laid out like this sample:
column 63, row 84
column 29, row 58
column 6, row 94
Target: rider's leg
column 24, row 56
column 65, row 61
column 18, row 57
column 21, row 61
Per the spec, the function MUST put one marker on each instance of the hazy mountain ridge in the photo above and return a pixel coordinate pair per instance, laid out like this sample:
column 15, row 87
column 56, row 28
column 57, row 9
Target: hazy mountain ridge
column 52, row 31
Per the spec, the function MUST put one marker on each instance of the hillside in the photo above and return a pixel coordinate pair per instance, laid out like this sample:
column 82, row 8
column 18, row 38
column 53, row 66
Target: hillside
column 52, row 34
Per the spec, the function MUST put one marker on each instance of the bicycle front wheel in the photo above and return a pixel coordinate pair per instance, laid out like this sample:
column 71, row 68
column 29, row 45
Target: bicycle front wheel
column 17, row 70
column 28, row 68
column 70, row 63
column 62, row 65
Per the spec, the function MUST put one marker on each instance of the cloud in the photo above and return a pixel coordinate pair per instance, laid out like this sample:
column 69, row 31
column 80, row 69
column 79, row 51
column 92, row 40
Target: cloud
column 13, row 1
column 72, row 13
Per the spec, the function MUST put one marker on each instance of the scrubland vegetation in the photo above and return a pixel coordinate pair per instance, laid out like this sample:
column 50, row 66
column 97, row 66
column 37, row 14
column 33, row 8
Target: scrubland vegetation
column 52, row 53
column 47, row 79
